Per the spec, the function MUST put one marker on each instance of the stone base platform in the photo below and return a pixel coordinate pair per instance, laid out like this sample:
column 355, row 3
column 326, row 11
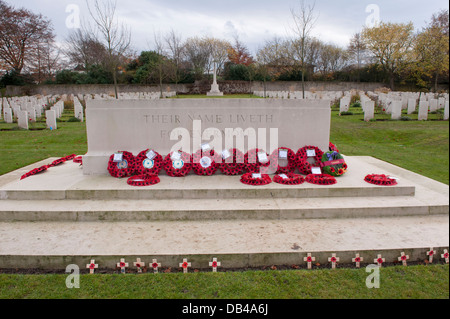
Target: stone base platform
column 63, row 217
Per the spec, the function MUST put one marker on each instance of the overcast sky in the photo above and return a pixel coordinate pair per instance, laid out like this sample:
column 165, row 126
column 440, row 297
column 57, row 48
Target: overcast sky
column 254, row 21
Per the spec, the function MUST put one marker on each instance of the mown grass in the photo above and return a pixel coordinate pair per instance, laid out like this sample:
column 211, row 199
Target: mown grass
column 398, row 282
column 422, row 147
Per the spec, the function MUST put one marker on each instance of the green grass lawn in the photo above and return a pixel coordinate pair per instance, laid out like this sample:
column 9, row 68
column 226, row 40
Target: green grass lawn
column 422, row 147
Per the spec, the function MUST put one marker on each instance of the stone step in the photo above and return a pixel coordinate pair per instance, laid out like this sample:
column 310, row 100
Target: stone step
column 217, row 209
column 68, row 182
column 237, row 244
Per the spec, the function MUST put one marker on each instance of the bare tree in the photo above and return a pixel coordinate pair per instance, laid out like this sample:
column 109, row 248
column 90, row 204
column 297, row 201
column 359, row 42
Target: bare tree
column 357, row 49
column 116, row 37
column 304, row 21
column 84, row 50
column 175, row 48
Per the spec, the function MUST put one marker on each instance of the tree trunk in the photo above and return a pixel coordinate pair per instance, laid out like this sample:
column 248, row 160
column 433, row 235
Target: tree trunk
column 436, row 83
column 391, row 82
column 115, row 83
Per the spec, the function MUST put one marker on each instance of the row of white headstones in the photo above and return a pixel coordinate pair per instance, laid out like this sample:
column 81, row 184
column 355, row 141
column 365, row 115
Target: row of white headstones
column 28, row 109
column 309, row 259
column 393, row 103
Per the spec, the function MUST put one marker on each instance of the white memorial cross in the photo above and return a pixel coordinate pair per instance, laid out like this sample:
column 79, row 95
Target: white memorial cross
column 309, row 259
column 379, row 260
column 333, row 259
column 185, row 265
column 431, row 254
column 122, row 265
column 358, row 259
column 92, row 266
column 403, row 258
column 139, row 265
column 445, row 255
column 155, row 265
column 214, row 264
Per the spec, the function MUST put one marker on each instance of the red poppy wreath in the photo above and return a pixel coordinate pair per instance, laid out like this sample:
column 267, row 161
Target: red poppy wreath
column 233, row 162
column 380, row 179
column 177, row 164
column 289, row 179
column 285, row 160
column 205, row 163
column 252, row 180
column 321, row 179
column 121, row 164
column 143, row 180
column 78, row 160
column 255, row 159
column 302, row 159
column 35, row 172
column 148, row 162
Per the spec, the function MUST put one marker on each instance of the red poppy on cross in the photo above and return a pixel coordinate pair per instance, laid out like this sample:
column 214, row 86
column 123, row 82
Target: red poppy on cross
column 358, row 259
column 403, row 258
column 380, row 260
column 309, row 259
column 155, row 265
column 92, row 266
column 139, row 264
column 333, row 259
column 445, row 255
column 185, row 265
column 431, row 254
column 214, row 264
column 122, row 265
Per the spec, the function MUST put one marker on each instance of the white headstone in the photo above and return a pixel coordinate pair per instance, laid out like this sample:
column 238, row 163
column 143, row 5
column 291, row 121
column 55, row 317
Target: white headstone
column 8, row 115
column 446, row 111
column 423, row 110
column 51, row 119
column 345, row 104
column 396, row 110
column 411, row 105
column 22, row 119
column 433, row 105
column 369, row 110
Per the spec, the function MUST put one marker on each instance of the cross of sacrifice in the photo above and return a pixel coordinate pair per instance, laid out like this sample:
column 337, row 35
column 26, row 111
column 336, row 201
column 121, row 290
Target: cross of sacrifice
column 379, row 260
column 92, row 266
column 122, row 265
column 333, row 259
column 139, row 265
column 431, row 254
column 403, row 258
column 214, row 264
column 155, row 265
column 445, row 255
column 185, row 265
column 358, row 259
column 309, row 259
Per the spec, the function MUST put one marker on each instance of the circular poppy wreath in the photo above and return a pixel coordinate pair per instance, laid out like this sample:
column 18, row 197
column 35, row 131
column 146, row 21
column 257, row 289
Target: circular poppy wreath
column 291, row 159
column 235, row 167
column 381, row 180
column 249, row 180
column 302, row 159
column 123, row 169
column 143, row 180
column 205, row 163
column 35, row 172
column 321, row 179
column 334, row 164
column 252, row 155
column 144, row 165
column 178, row 168
column 293, row 179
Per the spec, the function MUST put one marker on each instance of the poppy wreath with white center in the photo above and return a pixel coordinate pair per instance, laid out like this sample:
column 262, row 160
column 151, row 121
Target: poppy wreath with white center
column 178, row 172
column 291, row 158
column 143, row 180
column 381, row 180
column 333, row 164
column 249, row 180
column 140, row 168
column 121, row 172
column 293, row 179
column 252, row 156
column 321, row 179
column 205, row 171
column 302, row 159
column 78, row 160
column 235, row 167
column 35, row 171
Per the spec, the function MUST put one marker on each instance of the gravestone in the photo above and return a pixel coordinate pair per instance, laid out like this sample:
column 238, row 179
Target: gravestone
column 412, row 103
column 8, row 115
column 446, row 111
column 433, row 105
column 344, row 104
column 50, row 116
column 396, row 110
column 168, row 124
column 423, row 111
column 22, row 119
column 441, row 102
column 369, row 110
